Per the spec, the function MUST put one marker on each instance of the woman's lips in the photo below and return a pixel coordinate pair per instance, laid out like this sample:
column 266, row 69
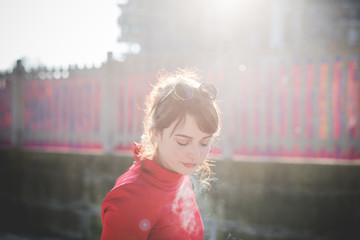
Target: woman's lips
column 189, row 165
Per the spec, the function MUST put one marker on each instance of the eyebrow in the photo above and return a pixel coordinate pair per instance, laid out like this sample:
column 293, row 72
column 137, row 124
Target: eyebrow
column 185, row 136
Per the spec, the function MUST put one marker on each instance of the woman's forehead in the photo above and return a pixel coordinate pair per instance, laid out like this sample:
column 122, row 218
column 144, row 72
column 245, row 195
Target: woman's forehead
column 188, row 127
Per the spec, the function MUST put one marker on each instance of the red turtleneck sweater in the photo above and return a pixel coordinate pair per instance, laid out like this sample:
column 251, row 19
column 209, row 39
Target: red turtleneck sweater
column 151, row 202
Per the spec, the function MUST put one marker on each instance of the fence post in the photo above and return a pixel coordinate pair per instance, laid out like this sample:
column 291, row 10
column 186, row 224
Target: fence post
column 18, row 92
column 227, row 145
column 107, row 105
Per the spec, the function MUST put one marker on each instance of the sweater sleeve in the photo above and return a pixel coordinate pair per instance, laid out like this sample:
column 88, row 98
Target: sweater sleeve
column 125, row 214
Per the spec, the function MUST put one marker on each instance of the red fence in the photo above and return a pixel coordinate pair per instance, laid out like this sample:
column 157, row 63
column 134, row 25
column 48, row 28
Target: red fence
column 308, row 109
column 5, row 113
column 296, row 109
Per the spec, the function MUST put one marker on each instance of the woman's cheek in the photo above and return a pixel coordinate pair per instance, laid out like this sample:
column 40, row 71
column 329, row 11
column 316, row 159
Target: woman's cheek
column 178, row 151
column 205, row 152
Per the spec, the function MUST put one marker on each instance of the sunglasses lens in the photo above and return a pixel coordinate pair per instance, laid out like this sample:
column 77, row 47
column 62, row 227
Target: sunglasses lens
column 183, row 91
column 208, row 90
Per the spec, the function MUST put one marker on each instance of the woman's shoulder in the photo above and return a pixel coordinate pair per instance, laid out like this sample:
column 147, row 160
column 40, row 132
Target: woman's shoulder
column 127, row 190
column 131, row 176
column 131, row 182
column 125, row 193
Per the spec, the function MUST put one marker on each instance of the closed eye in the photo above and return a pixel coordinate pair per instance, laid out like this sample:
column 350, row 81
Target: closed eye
column 204, row 144
column 182, row 144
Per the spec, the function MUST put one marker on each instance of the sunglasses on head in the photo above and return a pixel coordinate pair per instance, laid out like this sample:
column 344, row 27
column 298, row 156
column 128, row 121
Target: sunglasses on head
column 184, row 92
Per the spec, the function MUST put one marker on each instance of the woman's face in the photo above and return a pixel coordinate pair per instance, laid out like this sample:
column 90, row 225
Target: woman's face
column 184, row 150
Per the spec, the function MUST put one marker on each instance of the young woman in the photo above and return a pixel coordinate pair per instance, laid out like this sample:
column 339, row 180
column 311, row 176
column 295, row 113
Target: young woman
column 154, row 198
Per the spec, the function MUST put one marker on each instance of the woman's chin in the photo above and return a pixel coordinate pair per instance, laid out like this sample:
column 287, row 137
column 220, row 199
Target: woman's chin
column 187, row 170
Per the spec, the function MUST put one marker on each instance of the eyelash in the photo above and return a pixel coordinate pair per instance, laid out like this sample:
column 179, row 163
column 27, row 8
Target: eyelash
column 184, row 144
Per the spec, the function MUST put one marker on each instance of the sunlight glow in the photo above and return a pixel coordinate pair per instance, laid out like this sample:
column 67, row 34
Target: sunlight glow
column 58, row 33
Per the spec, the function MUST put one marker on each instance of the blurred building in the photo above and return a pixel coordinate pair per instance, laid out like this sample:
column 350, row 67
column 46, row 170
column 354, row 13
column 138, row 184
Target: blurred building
column 229, row 28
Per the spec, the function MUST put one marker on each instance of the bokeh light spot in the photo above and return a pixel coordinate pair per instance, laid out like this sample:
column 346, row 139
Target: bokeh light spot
column 144, row 225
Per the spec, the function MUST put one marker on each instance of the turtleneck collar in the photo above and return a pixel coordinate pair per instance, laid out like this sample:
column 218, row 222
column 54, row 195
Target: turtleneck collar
column 161, row 175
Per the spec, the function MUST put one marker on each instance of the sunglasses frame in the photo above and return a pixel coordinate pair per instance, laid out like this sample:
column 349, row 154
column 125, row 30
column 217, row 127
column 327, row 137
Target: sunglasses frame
column 203, row 89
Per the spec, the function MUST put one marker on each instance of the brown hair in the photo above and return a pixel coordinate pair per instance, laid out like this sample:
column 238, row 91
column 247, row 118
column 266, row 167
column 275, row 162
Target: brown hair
column 162, row 110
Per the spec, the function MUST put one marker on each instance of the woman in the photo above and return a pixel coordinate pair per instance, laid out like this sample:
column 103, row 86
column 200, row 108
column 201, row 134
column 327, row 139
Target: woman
column 154, row 198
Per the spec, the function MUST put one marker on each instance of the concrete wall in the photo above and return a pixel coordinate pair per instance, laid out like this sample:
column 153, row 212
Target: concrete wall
column 58, row 196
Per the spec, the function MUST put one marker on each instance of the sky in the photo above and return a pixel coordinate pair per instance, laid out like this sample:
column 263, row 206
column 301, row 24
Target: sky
column 58, row 33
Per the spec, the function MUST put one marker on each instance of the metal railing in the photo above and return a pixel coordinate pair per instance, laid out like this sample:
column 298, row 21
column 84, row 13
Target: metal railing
column 274, row 108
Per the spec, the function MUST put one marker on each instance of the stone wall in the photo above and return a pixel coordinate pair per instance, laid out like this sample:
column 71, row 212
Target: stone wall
column 58, row 196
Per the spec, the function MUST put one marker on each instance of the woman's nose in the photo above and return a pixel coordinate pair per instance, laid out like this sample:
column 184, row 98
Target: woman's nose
column 195, row 153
